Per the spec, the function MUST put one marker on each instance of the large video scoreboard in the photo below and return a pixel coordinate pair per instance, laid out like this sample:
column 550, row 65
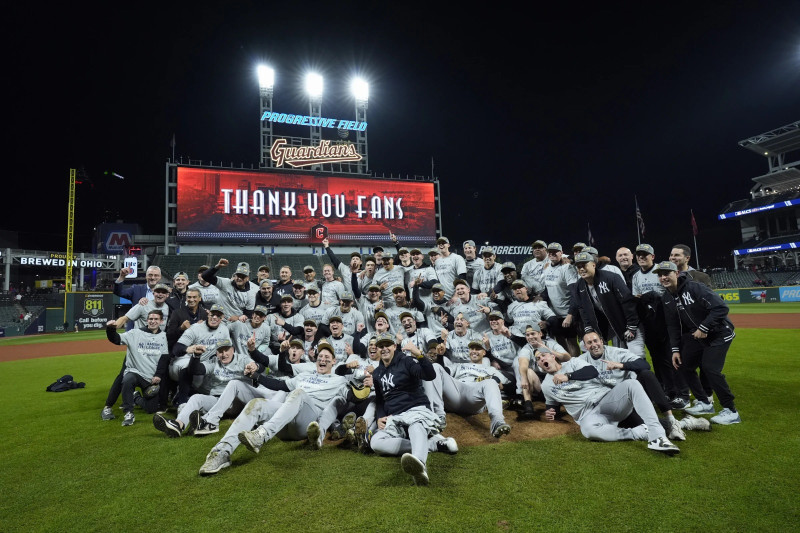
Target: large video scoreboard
column 273, row 207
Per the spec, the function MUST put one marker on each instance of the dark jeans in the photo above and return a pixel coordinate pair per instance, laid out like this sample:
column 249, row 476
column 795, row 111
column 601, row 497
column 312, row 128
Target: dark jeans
column 710, row 359
column 130, row 381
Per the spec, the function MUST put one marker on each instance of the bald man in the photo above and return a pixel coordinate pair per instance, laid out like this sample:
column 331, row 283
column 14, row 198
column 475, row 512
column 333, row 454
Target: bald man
column 627, row 264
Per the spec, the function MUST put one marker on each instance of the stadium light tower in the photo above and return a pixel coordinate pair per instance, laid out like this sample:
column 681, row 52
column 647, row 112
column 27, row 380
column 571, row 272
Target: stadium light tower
column 266, row 83
column 314, row 87
column 360, row 89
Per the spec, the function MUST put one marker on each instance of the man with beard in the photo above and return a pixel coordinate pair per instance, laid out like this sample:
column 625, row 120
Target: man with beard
column 449, row 266
column 486, row 277
column 532, row 271
column 474, row 263
column 607, row 306
column 234, row 294
column 559, row 278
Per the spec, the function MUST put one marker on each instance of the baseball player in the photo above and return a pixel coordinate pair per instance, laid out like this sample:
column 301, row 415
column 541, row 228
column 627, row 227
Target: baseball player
column 648, row 291
column 558, row 279
column 346, row 271
column 332, row 289
column 405, row 423
column 138, row 313
column 309, row 393
column 598, row 409
column 351, row 318
column 467, row 389
column 532, row 272
column 234, row 294
column 388, row 278
column 691, row 307
column 474, row 263
column 473, row 308
column 243, row 330
column 526, row 310
column 228, row 365
column 200, row 338
column 529, row 381
column 457, row 341
column 316, row 310
column 145, row 364
column 449, row 266
column 209, row 293
column 606, row 305
column 616, row 364
column 486, row 277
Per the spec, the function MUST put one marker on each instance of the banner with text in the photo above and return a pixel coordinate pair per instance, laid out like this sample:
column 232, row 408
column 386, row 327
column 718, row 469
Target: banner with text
column 294, row 208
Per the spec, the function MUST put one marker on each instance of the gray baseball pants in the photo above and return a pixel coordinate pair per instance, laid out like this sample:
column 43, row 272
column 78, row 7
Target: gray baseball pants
column 600, row 423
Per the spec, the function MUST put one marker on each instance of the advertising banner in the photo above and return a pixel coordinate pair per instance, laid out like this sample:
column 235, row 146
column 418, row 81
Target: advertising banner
column 294, row 208
column 756, row 295
column 90, row 310
column 731, row 296
column 790, row 294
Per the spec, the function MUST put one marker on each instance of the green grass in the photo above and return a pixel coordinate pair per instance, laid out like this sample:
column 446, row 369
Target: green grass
column 63, row 468
column 744, row 309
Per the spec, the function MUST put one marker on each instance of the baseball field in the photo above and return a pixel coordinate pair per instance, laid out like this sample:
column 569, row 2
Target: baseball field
column 64, row 468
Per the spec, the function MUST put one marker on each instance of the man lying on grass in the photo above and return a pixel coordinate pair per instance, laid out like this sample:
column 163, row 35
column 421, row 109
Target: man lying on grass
column 598, row 409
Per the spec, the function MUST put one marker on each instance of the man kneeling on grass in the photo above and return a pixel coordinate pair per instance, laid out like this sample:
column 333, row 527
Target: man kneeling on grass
column 309, row 393
column 598, row 409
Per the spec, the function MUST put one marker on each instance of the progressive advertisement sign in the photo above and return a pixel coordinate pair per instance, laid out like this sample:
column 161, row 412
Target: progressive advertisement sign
column 231, row 206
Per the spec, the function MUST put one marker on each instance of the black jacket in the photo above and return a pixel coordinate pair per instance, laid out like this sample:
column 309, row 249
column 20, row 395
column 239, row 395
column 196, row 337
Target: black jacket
column 694, row 306
column 619, row 305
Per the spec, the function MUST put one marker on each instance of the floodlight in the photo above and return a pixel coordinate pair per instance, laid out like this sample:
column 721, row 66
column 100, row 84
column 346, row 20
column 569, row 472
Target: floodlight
column 314, row 85
column 266, row 77
column 360, row 89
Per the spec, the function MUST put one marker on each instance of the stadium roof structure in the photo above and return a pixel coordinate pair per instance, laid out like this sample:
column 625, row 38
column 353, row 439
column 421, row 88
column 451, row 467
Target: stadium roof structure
column 776, row 142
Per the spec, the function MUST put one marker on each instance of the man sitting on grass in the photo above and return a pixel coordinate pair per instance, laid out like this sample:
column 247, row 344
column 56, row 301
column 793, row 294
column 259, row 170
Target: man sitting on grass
column 309, row 393
column 227, row 366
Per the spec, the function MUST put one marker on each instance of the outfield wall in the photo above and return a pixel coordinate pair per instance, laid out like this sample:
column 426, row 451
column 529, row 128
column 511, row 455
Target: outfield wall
column 752, row 295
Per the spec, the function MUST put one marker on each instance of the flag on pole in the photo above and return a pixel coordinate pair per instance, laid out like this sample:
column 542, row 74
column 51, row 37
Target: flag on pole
column 589, row 237
column 639, row 219
column 694, row 223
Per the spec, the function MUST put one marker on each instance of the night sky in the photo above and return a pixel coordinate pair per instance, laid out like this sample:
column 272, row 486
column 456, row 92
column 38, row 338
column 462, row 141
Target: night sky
column 538, row 123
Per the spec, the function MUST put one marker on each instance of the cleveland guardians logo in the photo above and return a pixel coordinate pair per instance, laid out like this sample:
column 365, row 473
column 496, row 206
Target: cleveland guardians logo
column 319, row 232
column 93, row 306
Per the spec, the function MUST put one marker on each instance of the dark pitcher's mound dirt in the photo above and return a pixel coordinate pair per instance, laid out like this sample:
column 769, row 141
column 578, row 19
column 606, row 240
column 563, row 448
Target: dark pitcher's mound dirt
column 474, row 430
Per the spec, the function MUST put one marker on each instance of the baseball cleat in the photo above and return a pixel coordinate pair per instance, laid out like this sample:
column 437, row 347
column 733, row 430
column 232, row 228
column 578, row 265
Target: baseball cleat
column 675, row 431
column 690, row 423
column 253, row 440
column 447, row 445
column 679, row 403
column 337, row 431
column 528, row 412
column 663, row 445
column 129, row 419
column 414, row 467
column 107, row 413
column 195, row 421
column 315, row 435
column 215, row 461
column 726, row 417
column 700, row 408
column 138, row 401
column 205, row 428
column 362, row 435
column 349, row 421
column 502, row 429
column 171, row 428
